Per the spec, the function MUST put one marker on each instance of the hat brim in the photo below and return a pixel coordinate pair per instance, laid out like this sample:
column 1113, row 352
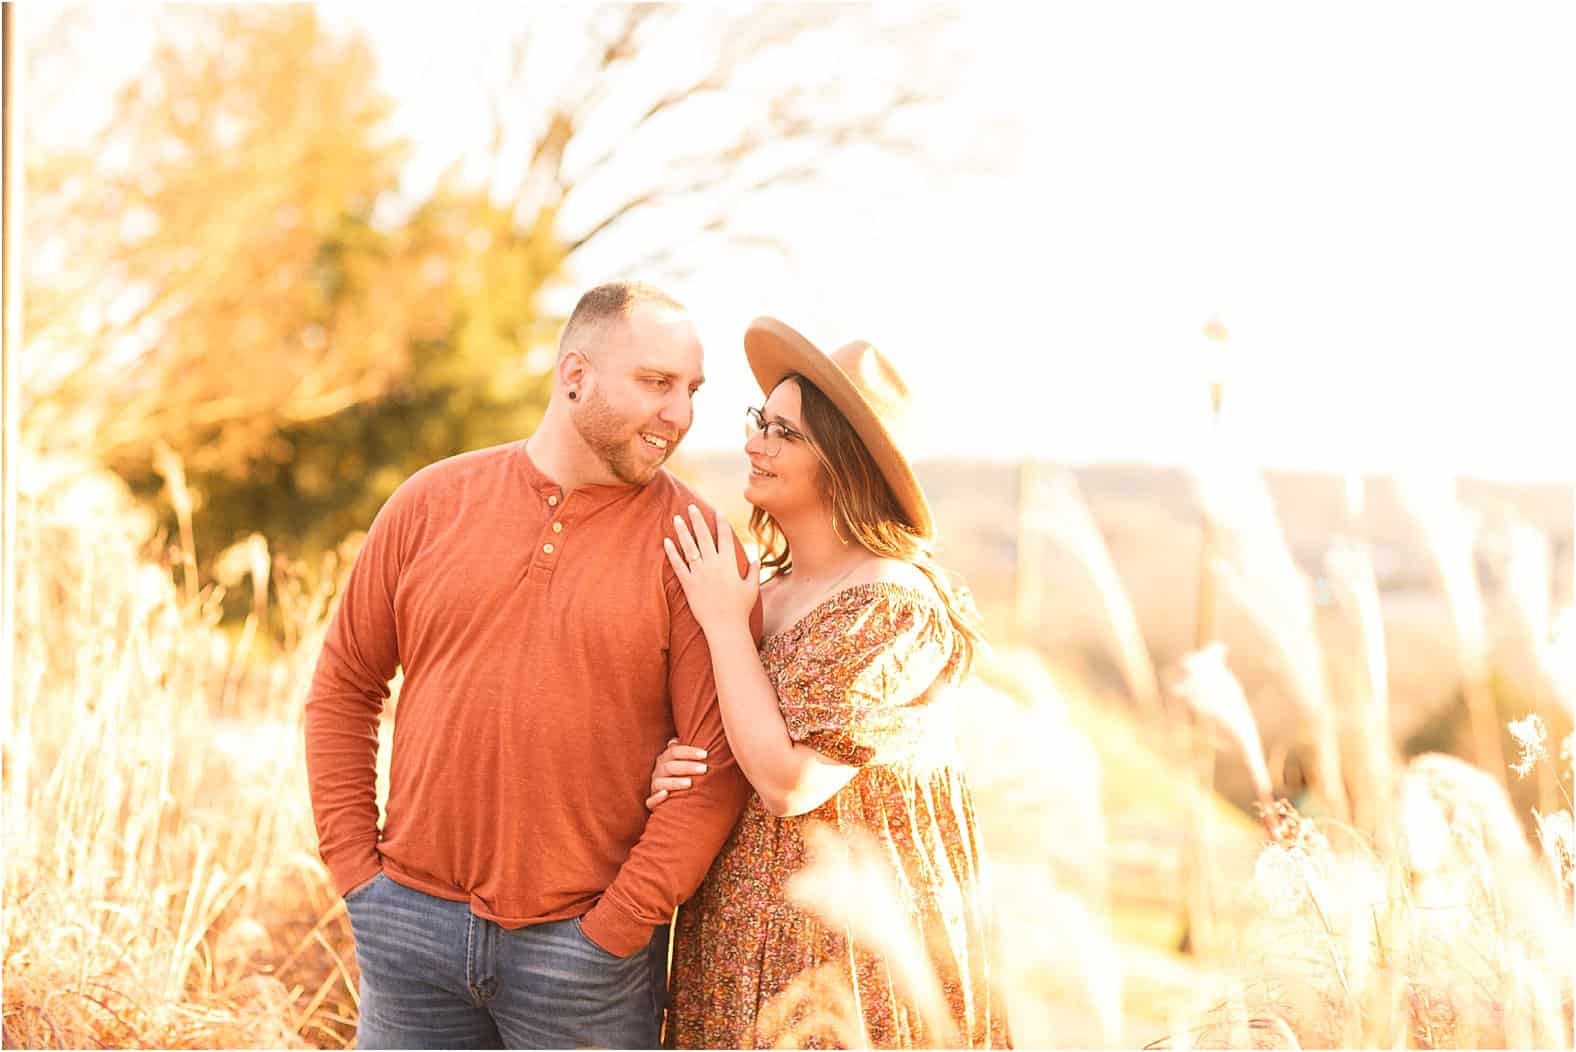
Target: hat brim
column 775, row 350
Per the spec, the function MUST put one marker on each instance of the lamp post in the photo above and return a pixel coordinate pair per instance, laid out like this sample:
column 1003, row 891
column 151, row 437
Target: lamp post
column 1197, row 743
column 1215, row 365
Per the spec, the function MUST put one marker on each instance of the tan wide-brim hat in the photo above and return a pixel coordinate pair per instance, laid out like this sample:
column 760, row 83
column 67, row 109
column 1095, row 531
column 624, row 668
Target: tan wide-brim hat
column 866, row 388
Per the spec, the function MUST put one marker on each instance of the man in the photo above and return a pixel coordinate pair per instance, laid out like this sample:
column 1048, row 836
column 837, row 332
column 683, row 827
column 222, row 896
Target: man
column 517, row 893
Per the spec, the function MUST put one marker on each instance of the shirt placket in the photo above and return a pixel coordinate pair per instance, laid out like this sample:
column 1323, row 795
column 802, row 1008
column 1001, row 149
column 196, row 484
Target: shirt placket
column 550, row 542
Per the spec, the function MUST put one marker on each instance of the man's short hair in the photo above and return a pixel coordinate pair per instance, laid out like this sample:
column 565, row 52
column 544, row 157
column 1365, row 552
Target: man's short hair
column 613, row 301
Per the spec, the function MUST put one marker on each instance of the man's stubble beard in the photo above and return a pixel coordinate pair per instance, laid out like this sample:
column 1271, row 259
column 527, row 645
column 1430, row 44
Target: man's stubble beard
column 609, row 437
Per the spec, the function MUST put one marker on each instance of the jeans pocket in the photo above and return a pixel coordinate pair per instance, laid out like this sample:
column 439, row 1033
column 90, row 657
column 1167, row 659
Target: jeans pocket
column 357, row 894
column 581, row 932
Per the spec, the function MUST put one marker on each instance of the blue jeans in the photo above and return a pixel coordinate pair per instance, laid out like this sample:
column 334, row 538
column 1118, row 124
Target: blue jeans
column 433, row 975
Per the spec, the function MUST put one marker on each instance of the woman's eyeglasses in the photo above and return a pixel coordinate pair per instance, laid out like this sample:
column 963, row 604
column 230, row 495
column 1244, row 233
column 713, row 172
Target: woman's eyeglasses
column 773, row 431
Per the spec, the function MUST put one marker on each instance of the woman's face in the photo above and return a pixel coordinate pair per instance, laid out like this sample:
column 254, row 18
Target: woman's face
column 790, row 482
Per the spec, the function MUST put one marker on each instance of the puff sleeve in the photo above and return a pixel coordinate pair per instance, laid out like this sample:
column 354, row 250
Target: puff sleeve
column 857, row 689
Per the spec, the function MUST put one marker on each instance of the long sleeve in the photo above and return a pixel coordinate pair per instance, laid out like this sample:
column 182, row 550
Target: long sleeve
column 683, row 835
column 547, row 655
column 349, row 686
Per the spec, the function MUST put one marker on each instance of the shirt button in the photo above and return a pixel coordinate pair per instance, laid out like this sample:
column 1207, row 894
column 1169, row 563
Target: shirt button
column 552, row 502
column 558, row 527
column 548, row 548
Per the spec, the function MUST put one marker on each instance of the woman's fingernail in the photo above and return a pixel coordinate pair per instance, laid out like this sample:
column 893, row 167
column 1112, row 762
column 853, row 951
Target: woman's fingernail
column 686, row 782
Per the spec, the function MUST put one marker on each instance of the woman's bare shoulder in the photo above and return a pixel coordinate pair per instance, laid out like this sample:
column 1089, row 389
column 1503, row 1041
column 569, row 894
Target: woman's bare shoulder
column 891, row 571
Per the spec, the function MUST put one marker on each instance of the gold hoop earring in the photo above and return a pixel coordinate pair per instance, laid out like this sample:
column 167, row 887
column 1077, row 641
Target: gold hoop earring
column 835, row 530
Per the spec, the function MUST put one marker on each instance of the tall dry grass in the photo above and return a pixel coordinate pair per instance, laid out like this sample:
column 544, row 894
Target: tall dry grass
column 1453, row 937
column 1260, row 576
column 161, row 883
column 162, row 887
column 1365, row 708
column 1430, row 920
column 1448, row 530
column 1053, row 511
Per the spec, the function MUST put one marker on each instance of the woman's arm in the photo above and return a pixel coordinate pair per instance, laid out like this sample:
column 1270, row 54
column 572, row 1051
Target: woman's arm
column 790, row 778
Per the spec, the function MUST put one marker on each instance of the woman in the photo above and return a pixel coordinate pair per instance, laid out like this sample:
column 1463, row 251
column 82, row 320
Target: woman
column 840, row 717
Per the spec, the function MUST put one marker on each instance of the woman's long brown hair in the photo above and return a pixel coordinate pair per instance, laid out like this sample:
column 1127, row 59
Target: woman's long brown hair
column 864, row 511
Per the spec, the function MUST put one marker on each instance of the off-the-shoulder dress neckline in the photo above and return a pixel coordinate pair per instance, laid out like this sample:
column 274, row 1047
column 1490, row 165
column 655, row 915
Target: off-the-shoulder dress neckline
column 924, row 595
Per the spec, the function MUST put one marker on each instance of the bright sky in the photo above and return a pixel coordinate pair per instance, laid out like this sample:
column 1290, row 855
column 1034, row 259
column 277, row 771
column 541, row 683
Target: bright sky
column 1378, row 200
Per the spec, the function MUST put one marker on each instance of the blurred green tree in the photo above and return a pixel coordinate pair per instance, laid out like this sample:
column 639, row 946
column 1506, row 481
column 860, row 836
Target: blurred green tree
column 234, row 270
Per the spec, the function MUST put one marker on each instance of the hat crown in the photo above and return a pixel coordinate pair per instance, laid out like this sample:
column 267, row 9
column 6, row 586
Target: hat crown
column 878, row 383
column 865, row 387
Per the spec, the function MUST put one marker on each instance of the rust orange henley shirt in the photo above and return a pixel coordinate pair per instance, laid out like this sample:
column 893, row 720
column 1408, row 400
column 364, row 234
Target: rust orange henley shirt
column 548, row 655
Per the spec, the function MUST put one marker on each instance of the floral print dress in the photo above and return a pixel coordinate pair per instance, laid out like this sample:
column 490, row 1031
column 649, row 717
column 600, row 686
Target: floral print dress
column 860, row 679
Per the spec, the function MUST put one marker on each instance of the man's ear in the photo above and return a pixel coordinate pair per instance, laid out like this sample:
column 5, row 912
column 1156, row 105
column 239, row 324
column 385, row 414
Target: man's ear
column 573, row 368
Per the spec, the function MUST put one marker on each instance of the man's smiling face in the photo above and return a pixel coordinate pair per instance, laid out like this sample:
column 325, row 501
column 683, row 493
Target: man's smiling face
column 640, row 403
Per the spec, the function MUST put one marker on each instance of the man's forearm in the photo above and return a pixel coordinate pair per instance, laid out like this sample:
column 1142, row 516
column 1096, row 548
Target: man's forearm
column 341, row 760
column 671, row 858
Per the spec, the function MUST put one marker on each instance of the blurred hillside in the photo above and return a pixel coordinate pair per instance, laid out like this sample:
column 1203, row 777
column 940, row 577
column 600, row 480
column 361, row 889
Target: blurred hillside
column 977, row 505
column 1149, row 519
